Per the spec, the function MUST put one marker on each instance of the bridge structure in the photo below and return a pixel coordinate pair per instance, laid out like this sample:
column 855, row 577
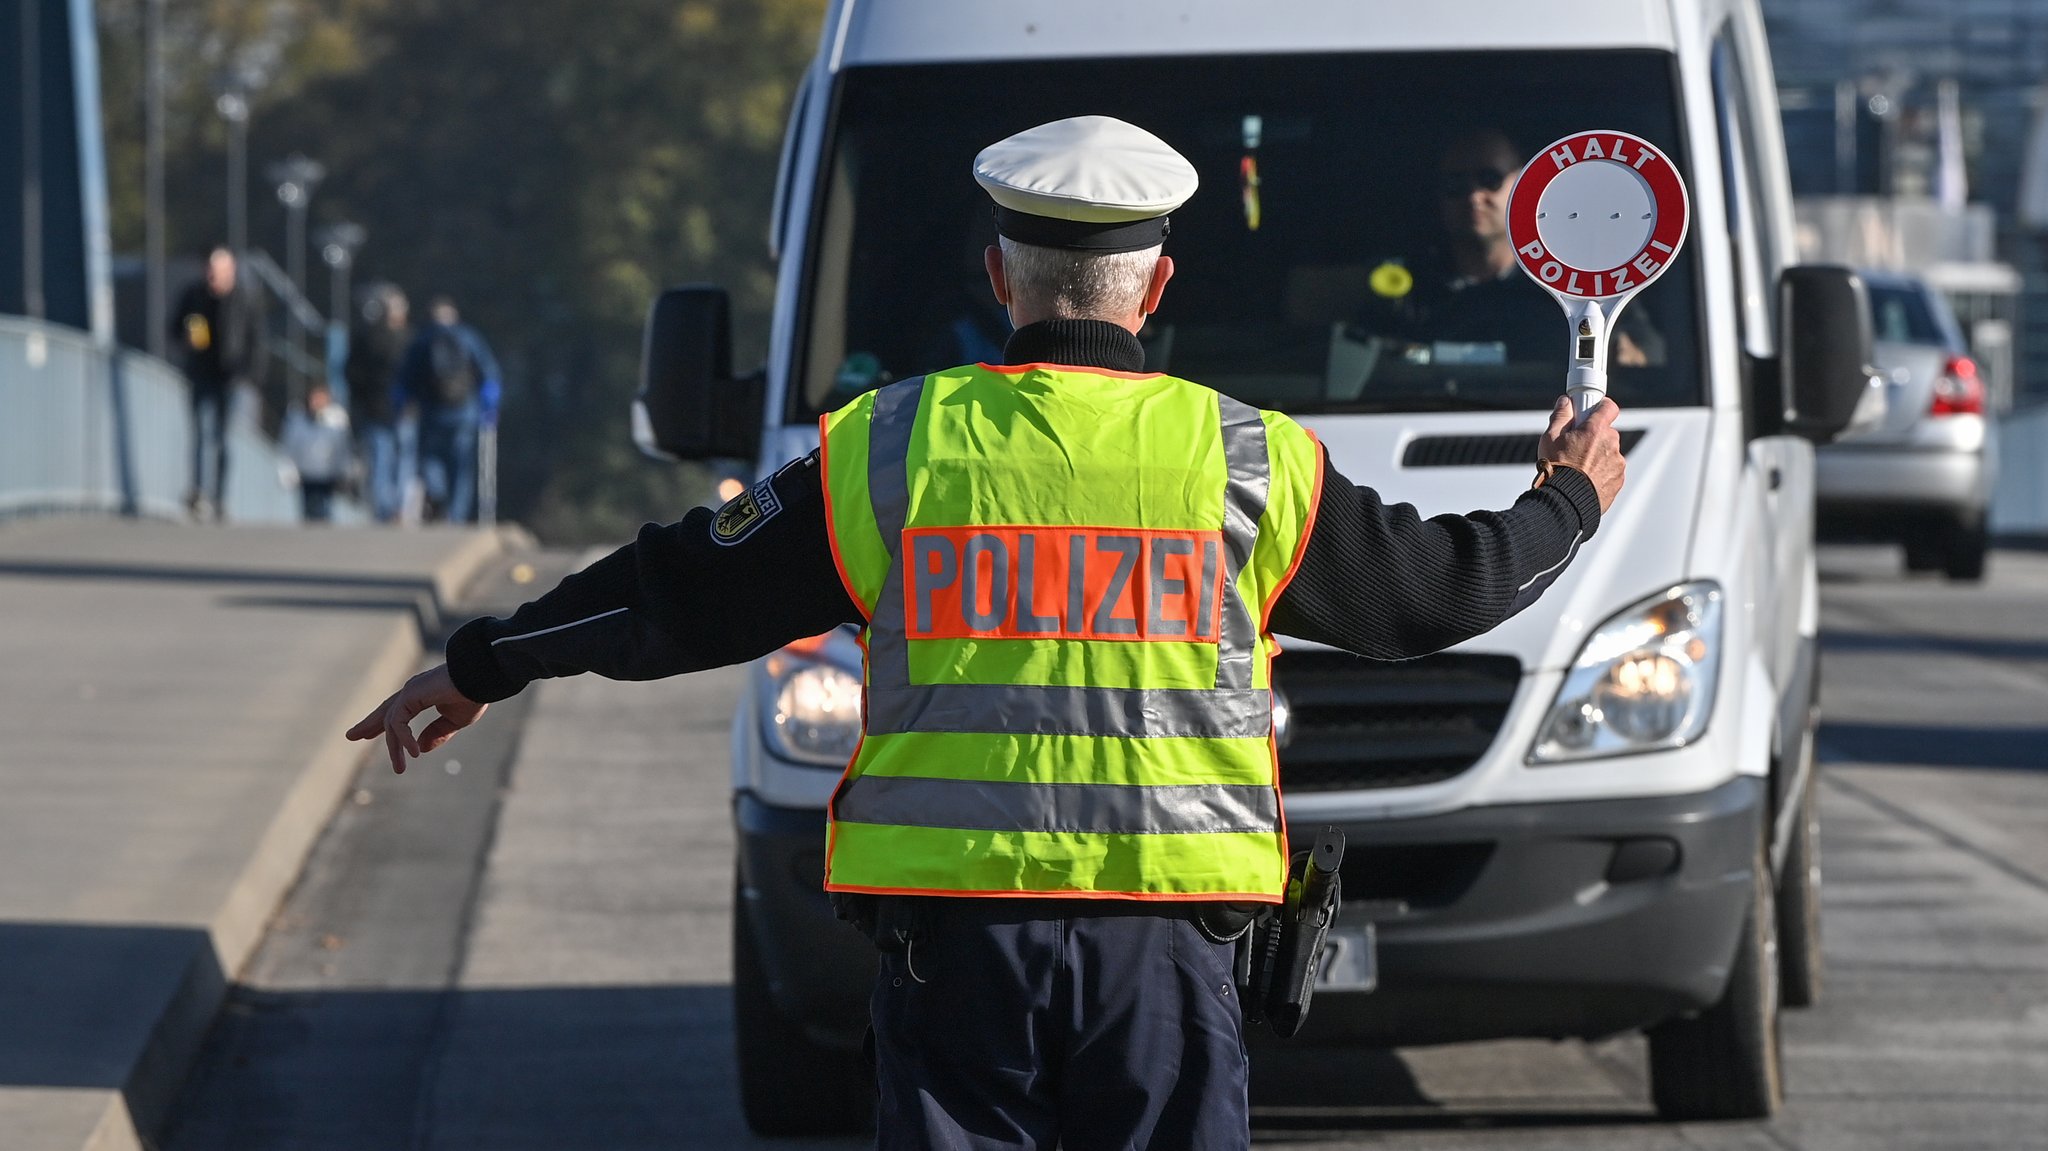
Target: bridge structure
column 85, row 425
column 172, row 695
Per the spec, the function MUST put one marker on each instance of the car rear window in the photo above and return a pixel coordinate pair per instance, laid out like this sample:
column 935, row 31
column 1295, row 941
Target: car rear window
column 1901, row 316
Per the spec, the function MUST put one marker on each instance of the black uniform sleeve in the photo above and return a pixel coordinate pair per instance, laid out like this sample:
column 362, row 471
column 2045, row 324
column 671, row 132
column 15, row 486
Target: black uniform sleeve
column 713, row 589
column 1382, row 581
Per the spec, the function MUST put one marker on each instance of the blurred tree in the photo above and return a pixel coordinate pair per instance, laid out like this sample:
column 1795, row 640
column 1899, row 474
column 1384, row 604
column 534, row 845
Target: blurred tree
column 550, row 165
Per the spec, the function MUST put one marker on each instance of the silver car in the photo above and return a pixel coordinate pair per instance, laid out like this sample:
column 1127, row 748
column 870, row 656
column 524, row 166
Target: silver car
column 1923, row 476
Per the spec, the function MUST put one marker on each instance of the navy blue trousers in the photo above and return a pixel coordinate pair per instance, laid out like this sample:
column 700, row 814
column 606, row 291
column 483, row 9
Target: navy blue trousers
column 1041, row 1024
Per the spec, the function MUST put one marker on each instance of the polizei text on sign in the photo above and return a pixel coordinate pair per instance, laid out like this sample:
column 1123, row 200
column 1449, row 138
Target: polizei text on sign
column 1597, row 215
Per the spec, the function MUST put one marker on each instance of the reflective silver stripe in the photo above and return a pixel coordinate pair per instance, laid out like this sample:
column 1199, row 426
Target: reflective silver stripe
column 1087, row 808
column 1123, row 712
column 889, row 428
column 895, row 416
column 1245, row 455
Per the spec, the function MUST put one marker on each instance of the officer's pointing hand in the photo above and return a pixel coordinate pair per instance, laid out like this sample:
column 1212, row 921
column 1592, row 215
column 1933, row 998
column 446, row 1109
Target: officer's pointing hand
column 1593, row 447
column 393, row 718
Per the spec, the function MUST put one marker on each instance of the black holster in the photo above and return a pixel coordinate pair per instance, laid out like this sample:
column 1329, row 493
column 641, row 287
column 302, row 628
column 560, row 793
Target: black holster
column 1278, row 958
column 890, row 922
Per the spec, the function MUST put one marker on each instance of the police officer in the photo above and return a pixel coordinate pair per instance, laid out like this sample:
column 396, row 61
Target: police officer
column 1067, row 572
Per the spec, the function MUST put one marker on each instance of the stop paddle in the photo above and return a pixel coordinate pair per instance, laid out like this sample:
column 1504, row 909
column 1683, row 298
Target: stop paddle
column 1595, row 218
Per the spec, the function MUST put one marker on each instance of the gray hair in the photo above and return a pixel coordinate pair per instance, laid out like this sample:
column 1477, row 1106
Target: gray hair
column 1078, row 285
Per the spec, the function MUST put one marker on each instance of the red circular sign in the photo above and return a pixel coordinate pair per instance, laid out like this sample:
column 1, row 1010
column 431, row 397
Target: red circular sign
column 1597, row 214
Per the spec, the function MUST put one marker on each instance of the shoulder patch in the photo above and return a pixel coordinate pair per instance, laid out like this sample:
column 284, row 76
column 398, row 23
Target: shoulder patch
column 744, row 514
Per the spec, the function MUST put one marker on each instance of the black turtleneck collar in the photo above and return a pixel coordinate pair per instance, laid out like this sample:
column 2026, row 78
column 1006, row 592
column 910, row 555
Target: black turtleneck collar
column 1077, row 343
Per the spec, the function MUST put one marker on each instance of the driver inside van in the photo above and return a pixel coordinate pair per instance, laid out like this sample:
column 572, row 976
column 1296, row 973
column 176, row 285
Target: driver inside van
column 1466, row 291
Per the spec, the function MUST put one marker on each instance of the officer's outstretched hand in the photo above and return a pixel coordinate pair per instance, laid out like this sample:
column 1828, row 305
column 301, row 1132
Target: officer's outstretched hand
column 1593, row 447
column 393, row 718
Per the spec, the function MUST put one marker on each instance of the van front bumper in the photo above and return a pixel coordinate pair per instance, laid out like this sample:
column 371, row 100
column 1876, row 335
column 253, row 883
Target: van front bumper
column 1555, row 920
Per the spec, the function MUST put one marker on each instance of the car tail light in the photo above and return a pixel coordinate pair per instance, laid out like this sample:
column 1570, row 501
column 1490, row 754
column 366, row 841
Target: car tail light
column 1957, row 390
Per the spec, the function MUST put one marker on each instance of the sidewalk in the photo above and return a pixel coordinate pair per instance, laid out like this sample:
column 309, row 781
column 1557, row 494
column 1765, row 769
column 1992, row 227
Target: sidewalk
column 171, row 707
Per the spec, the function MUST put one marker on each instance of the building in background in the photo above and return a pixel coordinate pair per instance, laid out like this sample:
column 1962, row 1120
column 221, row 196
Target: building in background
column 1908, row 124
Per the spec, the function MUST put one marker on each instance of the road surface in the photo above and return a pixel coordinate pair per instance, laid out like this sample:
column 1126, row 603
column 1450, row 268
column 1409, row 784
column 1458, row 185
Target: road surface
column 523, row 943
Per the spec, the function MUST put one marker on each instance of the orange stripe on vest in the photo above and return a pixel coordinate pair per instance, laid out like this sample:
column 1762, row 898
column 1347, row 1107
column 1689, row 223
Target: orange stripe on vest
column 1063, row 583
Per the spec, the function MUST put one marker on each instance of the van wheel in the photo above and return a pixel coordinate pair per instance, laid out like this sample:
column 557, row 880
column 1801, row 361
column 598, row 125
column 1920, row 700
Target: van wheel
column 1963, row 558
column 1799, row 950
column 789, row 1083
column 1725, row 1062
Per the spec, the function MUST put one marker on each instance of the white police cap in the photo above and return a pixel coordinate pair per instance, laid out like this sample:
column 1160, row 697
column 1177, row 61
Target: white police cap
column 1089, row 183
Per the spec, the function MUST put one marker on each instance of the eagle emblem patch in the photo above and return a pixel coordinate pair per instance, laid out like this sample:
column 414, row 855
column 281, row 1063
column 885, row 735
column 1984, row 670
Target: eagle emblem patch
column 744, row 514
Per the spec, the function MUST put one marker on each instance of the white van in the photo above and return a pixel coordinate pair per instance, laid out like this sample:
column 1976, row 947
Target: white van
column 1594, row 819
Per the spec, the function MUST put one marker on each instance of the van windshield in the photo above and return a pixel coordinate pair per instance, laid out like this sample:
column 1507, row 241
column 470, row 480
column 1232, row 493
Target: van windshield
column 1341, row 255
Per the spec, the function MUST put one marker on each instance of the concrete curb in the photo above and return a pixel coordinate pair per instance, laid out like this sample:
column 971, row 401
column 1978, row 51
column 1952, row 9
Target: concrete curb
column 265, row 880
column 463, row 565
column 139, row 1109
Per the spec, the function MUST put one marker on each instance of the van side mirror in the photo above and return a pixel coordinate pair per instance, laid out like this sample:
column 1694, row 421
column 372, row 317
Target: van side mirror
column 690, row 407
column 1823, row 349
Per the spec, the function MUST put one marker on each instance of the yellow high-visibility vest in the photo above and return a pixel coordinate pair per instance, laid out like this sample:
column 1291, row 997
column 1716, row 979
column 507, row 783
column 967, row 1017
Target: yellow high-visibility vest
column 1067, row 574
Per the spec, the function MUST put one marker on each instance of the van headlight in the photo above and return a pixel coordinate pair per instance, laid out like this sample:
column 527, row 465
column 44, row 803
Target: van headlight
column 815, row 715
column 1643, row 681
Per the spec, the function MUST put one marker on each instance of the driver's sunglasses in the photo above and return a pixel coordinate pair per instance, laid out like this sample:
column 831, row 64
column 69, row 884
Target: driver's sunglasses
column 1452, row 185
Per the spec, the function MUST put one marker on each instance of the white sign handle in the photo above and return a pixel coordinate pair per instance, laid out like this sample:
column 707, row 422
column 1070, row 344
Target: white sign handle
column 1592, row 329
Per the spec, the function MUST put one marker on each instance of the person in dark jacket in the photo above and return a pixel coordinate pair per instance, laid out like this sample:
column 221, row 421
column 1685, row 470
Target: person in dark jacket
column 376, row 345
column 220, row 333
column 450, row 373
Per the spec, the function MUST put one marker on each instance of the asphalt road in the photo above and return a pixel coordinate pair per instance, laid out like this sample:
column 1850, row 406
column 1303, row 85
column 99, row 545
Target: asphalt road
column 523, row 943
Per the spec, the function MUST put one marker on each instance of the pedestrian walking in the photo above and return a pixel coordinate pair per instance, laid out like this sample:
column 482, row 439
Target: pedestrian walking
column 450, row 373
column 219, row 333
column 1067, row 573
column 376, row 345
column 317, row 442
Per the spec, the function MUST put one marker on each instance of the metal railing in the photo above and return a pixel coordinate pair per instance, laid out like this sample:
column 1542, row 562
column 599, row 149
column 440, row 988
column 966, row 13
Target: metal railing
column 301, row 322
column 88, row 428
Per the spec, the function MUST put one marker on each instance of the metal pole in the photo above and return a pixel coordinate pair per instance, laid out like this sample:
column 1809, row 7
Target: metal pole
column 32, row 162
column 338, row 243
column 487, row 475
column 1846, row 103
column 156, row 292
column 295, row 244
column 296, row 177
column 238, row 175
column 295, row 262
column 337, row 325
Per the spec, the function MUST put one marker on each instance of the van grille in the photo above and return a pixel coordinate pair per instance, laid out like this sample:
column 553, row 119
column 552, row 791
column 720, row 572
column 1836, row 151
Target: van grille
column 1484, row 451
column 1359, row 724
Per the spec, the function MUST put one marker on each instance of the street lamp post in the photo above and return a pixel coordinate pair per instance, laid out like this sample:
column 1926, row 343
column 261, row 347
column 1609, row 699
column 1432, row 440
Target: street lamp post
column 296, row 177
column 233, row 106
column 338, row 244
